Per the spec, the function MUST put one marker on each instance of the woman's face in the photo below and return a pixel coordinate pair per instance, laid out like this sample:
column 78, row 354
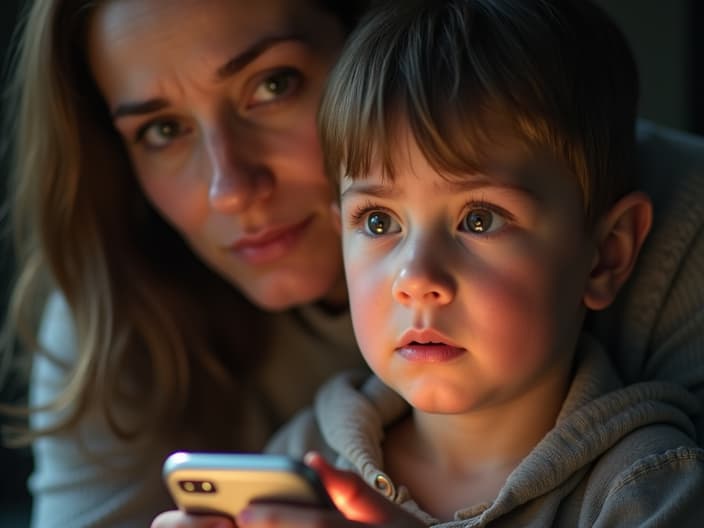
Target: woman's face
column 216, row 101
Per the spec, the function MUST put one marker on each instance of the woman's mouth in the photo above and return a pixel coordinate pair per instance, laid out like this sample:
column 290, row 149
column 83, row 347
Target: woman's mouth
column 270, row 244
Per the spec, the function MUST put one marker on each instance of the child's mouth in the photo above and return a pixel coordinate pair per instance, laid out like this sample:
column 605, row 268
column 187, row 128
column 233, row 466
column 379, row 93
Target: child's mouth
column 430, row 352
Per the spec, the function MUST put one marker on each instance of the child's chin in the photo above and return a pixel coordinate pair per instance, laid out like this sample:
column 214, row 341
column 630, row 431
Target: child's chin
column 440, row 400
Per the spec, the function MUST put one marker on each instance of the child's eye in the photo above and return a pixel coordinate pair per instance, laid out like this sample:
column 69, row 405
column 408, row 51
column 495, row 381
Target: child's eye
column 380, row 223
column 159, row 134
column 275, row 86
column 482, row 221
column 373, row 220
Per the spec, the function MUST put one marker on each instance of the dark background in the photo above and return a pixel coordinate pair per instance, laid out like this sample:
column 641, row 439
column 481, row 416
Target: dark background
column 15, row 464
column 668, row 41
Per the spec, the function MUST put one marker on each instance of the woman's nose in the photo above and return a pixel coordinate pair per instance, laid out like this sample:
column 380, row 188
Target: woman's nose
column 423, row 280
column 238, row 177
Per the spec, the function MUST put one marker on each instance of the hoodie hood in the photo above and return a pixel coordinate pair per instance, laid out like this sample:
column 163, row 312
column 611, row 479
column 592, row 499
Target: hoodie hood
column 596, row 415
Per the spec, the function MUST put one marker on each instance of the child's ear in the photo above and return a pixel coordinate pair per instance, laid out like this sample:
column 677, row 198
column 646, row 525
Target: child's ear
column 619, row 236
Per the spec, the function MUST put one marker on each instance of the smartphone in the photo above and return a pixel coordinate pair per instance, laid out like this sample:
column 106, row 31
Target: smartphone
column 225, row 483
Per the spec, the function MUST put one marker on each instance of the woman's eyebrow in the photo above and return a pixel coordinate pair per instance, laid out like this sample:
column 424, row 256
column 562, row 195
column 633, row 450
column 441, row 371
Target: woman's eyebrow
column 230, row 68
column 135, row 108
column 239, row 61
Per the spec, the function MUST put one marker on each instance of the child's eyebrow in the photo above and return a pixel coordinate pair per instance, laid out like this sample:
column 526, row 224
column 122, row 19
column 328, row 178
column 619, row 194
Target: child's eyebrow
column 372, row 189
column 456, row 185
column 484, row 182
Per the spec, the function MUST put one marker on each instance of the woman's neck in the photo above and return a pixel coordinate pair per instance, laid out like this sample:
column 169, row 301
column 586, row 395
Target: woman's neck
column 335, row 300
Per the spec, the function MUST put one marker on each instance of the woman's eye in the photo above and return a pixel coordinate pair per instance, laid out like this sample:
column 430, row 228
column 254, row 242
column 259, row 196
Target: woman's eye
column 380, row 223
column 276, row 86
column 481, row 221
column 159, row 134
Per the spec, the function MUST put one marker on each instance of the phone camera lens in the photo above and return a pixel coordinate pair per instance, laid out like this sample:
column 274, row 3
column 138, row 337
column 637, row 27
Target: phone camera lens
column 197, row 486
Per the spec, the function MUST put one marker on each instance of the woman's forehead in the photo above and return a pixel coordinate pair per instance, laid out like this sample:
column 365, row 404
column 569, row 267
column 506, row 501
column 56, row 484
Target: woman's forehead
column 135, row 46
column 120, row 20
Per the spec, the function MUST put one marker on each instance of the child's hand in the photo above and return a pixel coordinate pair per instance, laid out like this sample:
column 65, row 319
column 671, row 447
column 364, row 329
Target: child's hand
column 178, row 519
column 358, row 505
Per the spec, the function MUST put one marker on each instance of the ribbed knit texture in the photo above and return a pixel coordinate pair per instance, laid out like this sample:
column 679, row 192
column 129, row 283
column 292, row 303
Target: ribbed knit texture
column 611, row 446
column 656, row 327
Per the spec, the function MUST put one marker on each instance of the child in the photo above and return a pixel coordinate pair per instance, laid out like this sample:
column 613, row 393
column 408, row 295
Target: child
column 484, row 152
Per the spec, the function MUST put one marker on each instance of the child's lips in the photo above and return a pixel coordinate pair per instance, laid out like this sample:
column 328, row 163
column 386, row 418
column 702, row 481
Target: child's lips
column 430, row 352
column 429, row 346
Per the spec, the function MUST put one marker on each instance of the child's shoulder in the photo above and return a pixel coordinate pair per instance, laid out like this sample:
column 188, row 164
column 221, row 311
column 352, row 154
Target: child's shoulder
column 298, row 436
column 651, row 470
column 339, row 404
column 636, row 453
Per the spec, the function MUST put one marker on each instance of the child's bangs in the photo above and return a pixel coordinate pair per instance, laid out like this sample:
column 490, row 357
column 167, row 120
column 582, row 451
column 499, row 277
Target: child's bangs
column 454, row 93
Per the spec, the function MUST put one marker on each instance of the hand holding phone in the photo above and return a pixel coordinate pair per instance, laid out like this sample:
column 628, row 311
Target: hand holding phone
column 225, row 483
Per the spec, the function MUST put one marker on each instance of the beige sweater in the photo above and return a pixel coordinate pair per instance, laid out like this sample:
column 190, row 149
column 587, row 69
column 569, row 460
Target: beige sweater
column 87, row 477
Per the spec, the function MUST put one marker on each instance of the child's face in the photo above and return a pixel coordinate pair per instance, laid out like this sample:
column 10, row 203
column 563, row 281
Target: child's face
column 467, row 295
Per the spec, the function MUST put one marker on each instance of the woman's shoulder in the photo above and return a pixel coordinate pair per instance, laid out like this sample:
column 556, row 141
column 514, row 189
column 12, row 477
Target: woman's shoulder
column 57, row 354
column 57, row 333
column 84, row 474
column 58, row 350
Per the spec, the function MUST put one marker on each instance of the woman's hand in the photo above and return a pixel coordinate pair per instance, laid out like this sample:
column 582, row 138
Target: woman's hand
column 358, row 505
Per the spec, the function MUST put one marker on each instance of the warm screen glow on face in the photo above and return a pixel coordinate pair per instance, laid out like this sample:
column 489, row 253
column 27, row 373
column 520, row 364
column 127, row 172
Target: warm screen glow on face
column 465, row 292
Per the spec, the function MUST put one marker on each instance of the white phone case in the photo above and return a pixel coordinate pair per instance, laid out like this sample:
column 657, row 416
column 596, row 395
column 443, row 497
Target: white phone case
column 224, row 483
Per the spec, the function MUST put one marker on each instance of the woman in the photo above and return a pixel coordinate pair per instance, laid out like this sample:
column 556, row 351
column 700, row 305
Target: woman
column 171, row 213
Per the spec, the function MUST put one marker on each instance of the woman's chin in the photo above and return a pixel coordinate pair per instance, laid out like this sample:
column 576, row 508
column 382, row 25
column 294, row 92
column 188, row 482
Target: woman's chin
column 276, row 296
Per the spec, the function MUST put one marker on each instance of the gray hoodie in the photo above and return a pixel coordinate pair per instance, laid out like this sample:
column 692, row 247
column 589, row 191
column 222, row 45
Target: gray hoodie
column 617, row 456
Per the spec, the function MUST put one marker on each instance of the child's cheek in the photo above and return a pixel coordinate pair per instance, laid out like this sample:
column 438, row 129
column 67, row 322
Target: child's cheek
column 370, row 303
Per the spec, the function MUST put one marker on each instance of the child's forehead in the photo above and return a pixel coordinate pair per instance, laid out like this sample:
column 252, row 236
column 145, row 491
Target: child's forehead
column 498, row 156
column 536, row 179
column 493, row 142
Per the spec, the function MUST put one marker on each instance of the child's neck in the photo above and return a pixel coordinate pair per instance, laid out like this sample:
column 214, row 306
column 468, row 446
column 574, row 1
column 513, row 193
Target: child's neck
column 453, row 461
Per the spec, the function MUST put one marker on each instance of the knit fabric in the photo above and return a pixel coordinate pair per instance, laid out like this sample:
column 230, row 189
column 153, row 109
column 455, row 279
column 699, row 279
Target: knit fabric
column 656, row 325
column 87, row 477
column 617, row 456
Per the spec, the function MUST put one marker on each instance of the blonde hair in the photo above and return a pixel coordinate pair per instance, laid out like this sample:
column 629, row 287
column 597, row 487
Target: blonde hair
column 142, row 304
column 559, row 72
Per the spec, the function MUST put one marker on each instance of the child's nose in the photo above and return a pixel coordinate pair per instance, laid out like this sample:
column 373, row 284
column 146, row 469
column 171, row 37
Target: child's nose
column 421, row 282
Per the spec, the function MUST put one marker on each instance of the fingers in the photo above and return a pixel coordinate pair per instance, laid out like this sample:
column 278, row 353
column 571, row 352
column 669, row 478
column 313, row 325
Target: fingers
column 350, row 494
column 356, row 500
column 178, row 519
column 279, row 516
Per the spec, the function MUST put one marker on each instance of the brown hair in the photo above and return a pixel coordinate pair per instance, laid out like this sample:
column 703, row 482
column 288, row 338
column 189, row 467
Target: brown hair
column 145, row 308
column 559, row 71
